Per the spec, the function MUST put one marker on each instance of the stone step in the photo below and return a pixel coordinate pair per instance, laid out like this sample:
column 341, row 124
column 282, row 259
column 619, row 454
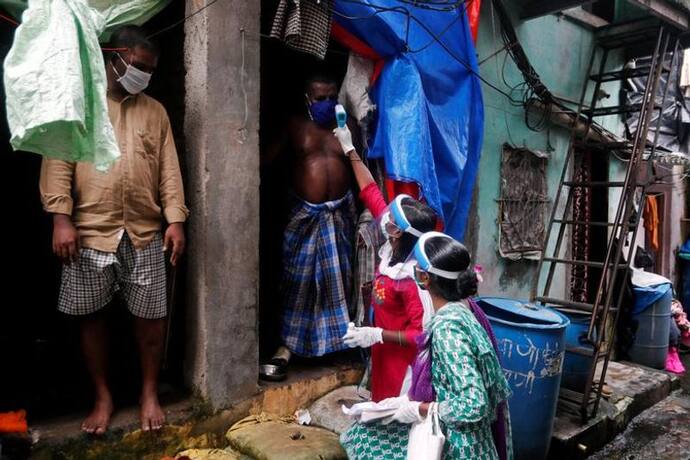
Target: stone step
column 634, row 389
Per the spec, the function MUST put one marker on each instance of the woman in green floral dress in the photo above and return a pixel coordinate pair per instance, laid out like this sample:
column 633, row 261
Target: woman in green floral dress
column 466, row 378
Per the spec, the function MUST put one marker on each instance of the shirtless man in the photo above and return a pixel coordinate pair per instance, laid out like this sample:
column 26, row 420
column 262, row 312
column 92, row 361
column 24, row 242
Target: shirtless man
column 317, row 243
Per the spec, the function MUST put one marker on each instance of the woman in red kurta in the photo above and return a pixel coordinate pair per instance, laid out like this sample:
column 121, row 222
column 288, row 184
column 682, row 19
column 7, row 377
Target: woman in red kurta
column 397, row 307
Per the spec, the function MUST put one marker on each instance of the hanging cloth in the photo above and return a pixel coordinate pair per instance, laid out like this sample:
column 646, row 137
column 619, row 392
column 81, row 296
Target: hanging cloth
column 651, row 221
column 304, row 25
column 354, row 92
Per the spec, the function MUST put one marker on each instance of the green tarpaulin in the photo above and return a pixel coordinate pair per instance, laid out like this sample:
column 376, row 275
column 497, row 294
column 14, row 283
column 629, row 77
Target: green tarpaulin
column 55, row 80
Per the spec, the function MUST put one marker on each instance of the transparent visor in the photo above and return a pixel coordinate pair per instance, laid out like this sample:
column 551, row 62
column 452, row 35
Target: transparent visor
column 392, row 222
column 387, row 226
column 419, row 259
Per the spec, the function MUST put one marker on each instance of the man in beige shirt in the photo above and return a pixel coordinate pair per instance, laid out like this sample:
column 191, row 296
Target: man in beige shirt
column 107, row 226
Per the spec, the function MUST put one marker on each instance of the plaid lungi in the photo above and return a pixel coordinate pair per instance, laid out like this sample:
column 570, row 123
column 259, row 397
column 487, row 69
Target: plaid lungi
column 89, row 284
column 317, row 277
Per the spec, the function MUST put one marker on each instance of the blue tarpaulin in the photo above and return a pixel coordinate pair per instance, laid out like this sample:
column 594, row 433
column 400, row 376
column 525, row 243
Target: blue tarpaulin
column 430, row 123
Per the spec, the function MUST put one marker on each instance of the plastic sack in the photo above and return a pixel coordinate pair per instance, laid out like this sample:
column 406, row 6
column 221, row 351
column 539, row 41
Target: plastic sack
column 426, row 438
column 117, row 13
column 55, row 79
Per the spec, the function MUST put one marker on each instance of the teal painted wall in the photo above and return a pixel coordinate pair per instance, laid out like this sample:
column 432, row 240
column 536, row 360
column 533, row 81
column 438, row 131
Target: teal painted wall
column 559, row 50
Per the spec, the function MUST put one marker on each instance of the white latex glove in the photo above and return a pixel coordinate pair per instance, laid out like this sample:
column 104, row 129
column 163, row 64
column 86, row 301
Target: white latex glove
column 370, row 411
column 407, row 412
column 363, row 337
column 344, row 136
column 356, row 409
column 392, row 402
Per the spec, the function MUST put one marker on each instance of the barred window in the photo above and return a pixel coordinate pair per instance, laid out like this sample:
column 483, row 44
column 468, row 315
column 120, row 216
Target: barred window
column 523, row 203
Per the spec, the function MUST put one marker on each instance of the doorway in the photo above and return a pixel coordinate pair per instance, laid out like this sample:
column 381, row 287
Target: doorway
column 590, row 205
column 40, row 359
column 283, row 74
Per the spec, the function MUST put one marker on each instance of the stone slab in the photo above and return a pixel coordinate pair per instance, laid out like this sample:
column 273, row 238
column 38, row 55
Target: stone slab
column 327, row 412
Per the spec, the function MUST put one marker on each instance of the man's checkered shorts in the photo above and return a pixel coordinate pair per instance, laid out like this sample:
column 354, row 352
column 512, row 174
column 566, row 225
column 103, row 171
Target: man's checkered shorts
column 89, row 284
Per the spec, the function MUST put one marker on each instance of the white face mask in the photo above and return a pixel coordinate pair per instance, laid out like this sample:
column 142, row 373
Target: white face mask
column 385, row 218
column 134, row 81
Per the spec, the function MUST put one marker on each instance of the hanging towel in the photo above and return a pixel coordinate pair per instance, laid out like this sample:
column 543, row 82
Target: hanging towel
column 304, row 25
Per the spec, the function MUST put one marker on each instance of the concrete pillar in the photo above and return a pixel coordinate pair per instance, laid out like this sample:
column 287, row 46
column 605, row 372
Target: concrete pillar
column 221, row 130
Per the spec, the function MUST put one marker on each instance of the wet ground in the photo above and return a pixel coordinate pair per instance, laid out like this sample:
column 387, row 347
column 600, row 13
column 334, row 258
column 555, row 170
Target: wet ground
column 685, row 379
column 662, row 432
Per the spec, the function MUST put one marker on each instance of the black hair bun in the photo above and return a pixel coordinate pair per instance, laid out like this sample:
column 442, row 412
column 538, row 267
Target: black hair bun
column 467, row 283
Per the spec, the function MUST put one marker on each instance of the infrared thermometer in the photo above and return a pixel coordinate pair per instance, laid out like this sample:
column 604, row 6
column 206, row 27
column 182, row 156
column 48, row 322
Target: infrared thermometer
column 340, row 115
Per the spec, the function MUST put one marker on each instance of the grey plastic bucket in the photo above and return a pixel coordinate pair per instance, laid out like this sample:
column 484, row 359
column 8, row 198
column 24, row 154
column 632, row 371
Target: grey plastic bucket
column 651, row 339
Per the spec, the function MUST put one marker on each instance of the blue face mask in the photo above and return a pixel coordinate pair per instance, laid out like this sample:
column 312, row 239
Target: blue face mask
column 323, row 112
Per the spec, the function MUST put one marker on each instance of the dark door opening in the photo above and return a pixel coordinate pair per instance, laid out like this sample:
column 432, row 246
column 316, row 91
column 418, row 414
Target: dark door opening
column 589, row 242
column 40, row 359
column 599, row 164
column 283, row 73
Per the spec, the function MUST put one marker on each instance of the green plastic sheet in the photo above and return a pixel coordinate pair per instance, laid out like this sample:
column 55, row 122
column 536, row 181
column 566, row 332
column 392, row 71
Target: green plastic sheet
column 55, row 79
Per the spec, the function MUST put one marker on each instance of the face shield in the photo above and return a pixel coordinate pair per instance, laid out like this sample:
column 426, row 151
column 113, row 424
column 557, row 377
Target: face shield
column 419, row 266
column 391, row 225
column 392, row 222
column 422, row 262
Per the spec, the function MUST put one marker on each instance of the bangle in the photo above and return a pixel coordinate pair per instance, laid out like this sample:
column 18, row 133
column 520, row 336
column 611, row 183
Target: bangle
column 400, row 339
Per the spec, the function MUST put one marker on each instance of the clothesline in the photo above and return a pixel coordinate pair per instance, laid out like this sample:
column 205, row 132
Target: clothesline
column 181, row 21
column 164, row 29
column 266, row 36
column 8, row 19
column 16, row 24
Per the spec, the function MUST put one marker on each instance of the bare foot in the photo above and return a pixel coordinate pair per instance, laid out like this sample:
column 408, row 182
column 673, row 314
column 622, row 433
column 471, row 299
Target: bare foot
column 152, row 415
column 98, row 420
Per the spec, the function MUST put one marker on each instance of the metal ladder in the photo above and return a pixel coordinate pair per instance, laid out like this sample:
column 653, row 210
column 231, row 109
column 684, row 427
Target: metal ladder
column 605, row 307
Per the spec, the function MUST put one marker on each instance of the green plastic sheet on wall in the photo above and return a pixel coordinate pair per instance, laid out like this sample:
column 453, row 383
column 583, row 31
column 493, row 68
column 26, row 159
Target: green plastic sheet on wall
column 55, row 79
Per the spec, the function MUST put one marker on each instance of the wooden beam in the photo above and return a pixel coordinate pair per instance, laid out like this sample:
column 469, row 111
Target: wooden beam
column 585, row 18
column 537, row 8
column 664, row 10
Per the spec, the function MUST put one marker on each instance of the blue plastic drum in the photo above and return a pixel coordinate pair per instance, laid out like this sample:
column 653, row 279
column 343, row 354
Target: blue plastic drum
column 576, row 366
column 531, row 342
